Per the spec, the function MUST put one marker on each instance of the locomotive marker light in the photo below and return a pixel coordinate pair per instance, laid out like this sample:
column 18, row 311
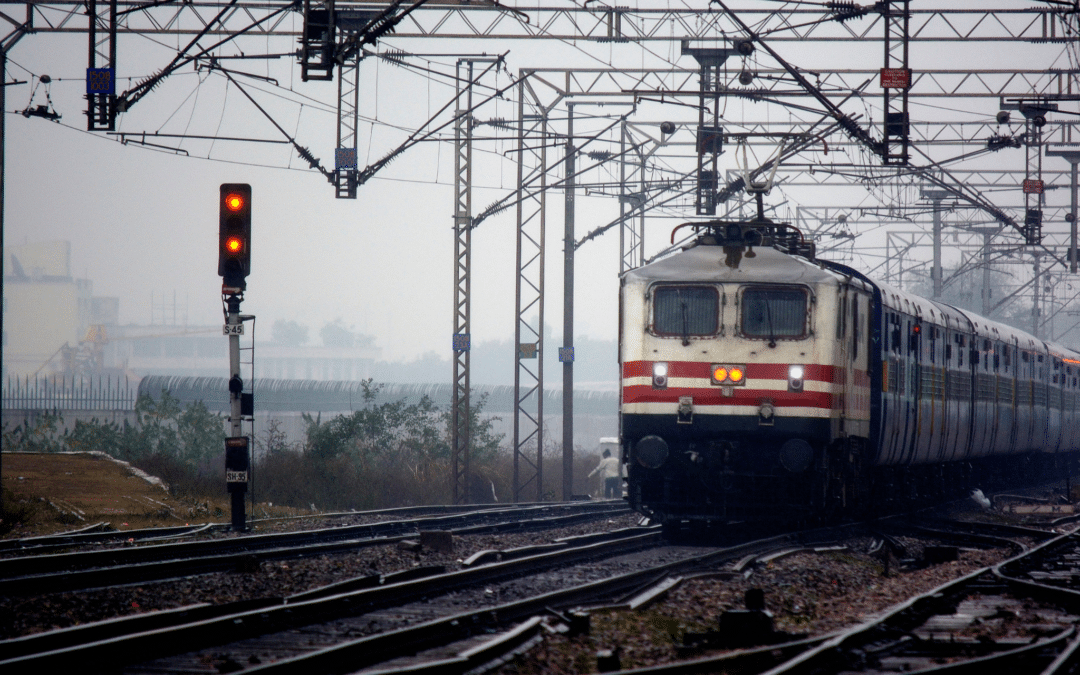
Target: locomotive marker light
column 724, row 374
column 659, row 375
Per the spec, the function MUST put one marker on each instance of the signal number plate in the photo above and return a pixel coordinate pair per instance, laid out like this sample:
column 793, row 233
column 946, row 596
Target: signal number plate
column 236, row 476
column 238, row 329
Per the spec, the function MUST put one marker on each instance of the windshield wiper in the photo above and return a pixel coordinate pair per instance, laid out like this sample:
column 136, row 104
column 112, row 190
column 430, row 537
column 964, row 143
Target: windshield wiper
column 685, row 324
column 768, row 316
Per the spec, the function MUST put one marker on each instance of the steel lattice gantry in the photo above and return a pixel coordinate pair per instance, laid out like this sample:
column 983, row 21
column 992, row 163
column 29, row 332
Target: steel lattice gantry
column 463, row 129
column 101, row 65
column 461, row 416
column 597, row 23
column 533, row 134
column 895, row 76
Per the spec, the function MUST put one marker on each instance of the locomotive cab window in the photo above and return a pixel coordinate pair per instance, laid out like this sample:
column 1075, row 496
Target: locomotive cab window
column 683, row 311
column 770, row 312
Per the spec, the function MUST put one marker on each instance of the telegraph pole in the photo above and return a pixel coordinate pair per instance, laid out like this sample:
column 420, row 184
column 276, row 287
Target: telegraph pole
column 566, row 354
column 1072, row 156
column 936, row 196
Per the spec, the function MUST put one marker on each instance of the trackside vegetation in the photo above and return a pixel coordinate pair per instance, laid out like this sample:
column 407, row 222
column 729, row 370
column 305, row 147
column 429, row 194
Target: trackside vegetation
column 383, row 455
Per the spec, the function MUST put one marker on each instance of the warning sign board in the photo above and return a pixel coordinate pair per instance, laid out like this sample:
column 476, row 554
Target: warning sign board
column 895, row 78
column 1033, row 187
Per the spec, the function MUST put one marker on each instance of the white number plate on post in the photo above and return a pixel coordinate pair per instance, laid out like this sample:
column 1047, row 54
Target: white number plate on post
column 238, row 329
column 236, row 476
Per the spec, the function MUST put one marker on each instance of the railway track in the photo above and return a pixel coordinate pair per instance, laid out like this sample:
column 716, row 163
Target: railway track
column 145, row 636
column 35, row 574
column 102, row 533
column 426, row 619
column 1019, row 616
column 390, row 618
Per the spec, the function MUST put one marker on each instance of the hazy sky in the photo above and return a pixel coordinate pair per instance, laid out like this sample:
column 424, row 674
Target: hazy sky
column 143, row 223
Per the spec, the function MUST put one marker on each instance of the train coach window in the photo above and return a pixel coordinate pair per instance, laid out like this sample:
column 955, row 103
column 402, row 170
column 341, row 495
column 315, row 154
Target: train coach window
column 686, row 310
column 773, row 312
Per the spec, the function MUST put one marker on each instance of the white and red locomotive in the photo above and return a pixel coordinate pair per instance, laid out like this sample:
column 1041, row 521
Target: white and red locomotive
column 759, row 381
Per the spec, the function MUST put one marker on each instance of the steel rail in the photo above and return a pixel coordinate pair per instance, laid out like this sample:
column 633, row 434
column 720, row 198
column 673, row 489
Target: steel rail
column 369, row 651
column 101, row 532
column 63, row 572
column 893, row 632
column 173, row 637
column 53, row 542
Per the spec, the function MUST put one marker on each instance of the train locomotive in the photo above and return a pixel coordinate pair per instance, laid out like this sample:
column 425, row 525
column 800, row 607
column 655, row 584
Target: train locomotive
column 761, row 382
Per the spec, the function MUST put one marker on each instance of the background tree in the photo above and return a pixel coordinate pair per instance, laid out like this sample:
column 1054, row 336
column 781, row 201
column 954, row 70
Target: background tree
column 288, row 333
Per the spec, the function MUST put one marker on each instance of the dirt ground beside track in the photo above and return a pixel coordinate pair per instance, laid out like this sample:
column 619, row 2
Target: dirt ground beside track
column 69, row 491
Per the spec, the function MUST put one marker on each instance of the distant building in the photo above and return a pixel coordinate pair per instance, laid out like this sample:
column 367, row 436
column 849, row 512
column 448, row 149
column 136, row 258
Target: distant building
column 54, row 326
column 46, row 311
column 314, row 363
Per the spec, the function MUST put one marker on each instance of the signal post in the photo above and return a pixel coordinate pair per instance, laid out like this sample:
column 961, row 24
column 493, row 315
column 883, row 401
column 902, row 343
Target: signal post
column 234, row 264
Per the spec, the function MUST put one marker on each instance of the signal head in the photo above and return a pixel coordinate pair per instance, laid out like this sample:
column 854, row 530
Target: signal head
column 234, row 234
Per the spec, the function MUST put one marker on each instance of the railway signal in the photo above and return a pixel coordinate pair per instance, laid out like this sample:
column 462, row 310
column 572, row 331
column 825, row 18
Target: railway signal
column 234, row 235
column 234, row 264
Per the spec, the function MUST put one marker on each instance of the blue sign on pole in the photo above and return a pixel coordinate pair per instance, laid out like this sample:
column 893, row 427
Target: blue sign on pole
column 100, row 81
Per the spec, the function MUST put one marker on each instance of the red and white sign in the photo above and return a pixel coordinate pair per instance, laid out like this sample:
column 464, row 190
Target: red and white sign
column 895, row 78
column 1033, row 187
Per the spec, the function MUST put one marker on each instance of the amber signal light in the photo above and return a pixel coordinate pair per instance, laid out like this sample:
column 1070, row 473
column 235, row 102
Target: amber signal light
column 234, row 202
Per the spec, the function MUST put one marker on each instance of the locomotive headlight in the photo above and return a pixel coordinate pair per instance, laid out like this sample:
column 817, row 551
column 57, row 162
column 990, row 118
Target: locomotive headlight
column 795, row 378
column 659, row 375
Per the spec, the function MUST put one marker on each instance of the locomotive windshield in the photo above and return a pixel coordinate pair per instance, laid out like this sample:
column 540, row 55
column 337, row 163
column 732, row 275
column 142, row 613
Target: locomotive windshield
column 686, row 310
column 773, row 312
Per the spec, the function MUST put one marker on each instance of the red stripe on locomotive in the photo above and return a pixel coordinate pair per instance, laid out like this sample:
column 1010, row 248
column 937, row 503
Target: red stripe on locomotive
column 644, row 393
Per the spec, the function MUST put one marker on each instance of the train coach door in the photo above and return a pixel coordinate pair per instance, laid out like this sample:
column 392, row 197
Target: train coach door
column 1055, row 404
column 987, row 423
column 893, row 414
column 933, row 391
column 916, row 418
column 957, row 396
column 857, row 409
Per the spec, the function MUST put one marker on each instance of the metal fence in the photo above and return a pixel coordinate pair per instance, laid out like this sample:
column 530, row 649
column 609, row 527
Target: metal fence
column 70, row 393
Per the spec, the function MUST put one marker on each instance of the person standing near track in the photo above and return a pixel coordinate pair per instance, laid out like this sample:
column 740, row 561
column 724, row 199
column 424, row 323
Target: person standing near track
column 608, row 468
